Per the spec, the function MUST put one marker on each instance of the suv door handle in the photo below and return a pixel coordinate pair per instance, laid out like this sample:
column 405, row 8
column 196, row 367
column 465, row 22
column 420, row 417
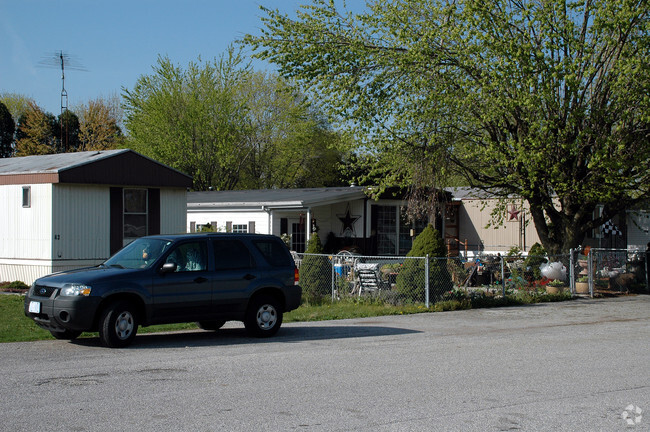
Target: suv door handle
column 249, row 277
column 200, row 279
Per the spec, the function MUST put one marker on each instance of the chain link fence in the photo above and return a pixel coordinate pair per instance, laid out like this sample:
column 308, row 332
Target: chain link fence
column 611, row 271
column 410, row 280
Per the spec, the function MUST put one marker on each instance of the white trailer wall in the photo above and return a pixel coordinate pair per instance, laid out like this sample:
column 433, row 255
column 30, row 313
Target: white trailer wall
column 25, row 232
column 173, row 211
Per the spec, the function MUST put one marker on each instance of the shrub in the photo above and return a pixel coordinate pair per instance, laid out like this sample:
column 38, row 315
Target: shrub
column 15, row 286
column 536, row 257
column 315, row 272
column 410, row 280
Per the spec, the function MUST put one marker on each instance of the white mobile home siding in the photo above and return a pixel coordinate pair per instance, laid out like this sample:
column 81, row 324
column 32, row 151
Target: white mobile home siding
column 81, row 218
column 638, row 229
column 25, row 232
column 173, row 213
column 260, row 217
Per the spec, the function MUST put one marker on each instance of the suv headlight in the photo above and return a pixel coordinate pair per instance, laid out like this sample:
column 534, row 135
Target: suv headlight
column 76, row 290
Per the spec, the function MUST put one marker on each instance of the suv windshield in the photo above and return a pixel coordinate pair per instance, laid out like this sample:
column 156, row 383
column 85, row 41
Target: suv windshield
column 141, row 253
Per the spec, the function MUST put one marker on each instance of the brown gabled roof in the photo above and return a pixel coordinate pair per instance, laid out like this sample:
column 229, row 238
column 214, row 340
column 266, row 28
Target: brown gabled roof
column 110, row 167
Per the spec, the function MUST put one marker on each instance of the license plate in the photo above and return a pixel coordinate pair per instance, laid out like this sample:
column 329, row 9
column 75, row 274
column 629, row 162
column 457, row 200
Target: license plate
column 34, row 307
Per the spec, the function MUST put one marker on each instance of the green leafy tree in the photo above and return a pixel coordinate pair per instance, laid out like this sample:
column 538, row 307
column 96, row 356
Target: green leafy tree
column 543, row 100
column 17, row 104
column 315, row 272
column 411, row 279
column 290, row 146
column 192, row 119
column 7, row 129
column 36, row 133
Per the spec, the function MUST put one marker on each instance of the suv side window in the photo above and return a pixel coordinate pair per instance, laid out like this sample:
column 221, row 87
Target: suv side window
column 275, row 252
column 231, row 254
column 190, row 256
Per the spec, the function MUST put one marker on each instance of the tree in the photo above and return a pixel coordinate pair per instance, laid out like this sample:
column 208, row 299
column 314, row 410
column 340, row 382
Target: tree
column 36, row 133
column 68, row 132
column 291, row 146
column 17, row 104
column 7, row 129
column 543, row 100
column 98, row 128
column 192, row 119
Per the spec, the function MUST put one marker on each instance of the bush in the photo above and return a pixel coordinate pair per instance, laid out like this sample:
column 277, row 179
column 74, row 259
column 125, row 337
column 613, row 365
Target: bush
column 536, row 257
column 410, row 280
column 15, row 286
column 316, row 272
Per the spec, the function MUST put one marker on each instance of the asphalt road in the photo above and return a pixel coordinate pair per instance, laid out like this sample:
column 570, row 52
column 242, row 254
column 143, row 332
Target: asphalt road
column 573, row 366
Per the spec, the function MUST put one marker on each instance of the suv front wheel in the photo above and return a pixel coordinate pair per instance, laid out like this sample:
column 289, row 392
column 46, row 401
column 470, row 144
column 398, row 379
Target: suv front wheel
column 263, row 317
column 118, row 324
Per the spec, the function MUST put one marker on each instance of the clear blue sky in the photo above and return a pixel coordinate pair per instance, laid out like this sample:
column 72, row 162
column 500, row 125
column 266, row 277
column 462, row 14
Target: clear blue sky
column 116, row 41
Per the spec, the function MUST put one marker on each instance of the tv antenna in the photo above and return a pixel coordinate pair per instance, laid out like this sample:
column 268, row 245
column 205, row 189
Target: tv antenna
column 63, row 60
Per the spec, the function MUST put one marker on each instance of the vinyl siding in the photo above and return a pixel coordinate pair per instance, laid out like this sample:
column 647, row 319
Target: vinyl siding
column 475, row 215
column 638, row 229
column 26, row 232
column 81, row 222
column 173, row 211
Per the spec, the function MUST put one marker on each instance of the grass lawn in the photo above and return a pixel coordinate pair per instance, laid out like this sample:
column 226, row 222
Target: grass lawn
column 16, row 327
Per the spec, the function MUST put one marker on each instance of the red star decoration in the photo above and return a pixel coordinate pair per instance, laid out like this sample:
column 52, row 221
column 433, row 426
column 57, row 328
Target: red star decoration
column 513, row 213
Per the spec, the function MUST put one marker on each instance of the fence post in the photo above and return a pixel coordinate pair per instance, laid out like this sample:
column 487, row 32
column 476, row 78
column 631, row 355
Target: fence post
column 590, row 267
column 426, row 281
column 647, row 269
column 503, row 278
column 334, row 281
column 572, row 269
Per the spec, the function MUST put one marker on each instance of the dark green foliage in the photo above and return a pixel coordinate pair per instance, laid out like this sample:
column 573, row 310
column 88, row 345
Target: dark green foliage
column 536, row 257
column 315, row 272
column 7, row 129
column 67, row 132
column 410, row 281
column 15, row 286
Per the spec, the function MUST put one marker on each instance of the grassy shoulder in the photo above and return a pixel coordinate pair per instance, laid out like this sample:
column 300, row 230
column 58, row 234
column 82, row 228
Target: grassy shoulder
column 16, row 327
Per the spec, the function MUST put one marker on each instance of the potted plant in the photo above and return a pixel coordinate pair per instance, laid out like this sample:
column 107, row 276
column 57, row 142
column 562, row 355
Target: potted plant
column 555, row 286
column 582, row 285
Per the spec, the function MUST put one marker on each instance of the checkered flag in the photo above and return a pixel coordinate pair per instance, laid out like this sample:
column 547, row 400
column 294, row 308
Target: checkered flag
column 609, row 228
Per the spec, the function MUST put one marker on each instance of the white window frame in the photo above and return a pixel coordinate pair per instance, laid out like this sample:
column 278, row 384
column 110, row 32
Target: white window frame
column 240, row 228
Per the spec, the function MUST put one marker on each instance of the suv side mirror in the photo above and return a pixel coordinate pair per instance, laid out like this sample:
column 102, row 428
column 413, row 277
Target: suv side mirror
column 168, row 268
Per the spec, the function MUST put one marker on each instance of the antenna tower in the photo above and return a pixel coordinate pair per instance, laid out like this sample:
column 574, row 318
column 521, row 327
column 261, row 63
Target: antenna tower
column 62, row 59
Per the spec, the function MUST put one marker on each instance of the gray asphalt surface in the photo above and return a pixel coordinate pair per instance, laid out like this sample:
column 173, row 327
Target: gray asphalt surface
column 573, row 366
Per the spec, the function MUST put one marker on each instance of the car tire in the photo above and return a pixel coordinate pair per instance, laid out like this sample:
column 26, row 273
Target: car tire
column 263, row 316
column 118, row 324
column 211, row 325
column 65, row 334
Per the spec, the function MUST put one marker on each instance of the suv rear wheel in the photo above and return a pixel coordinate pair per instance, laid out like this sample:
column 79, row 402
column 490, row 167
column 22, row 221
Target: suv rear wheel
column 118, row 324
column 263, row 317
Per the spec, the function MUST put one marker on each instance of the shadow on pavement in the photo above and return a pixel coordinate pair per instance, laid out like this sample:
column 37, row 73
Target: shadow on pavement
column 238, row 336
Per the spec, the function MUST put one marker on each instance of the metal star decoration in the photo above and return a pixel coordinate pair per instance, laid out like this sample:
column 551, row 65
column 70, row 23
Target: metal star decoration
column 348, row 221
column 513, row 213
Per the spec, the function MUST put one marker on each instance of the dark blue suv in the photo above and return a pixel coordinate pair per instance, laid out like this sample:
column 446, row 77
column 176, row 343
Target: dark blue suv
column 209, row 278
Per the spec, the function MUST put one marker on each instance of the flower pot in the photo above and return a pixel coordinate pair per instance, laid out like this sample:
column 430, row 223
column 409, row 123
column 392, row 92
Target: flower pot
column 554, row 289
column 582, row 287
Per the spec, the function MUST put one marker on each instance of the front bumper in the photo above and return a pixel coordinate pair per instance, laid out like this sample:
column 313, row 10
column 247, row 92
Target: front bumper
column 58, row 313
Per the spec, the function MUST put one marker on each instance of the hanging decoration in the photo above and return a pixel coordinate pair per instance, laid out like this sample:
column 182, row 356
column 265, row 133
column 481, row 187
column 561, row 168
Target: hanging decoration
column 348, row 220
